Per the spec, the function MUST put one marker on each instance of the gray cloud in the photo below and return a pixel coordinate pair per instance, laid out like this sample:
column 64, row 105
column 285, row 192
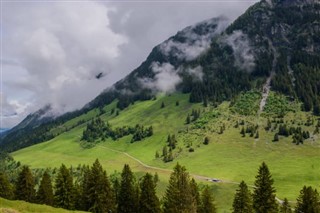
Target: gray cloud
column 57, row 48
column 196, row 73
column 193, row 44
column 243, row 53
column 165, row 80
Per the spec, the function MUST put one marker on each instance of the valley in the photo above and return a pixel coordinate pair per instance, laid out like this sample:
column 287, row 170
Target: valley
column 219, row 102
column 228, row 156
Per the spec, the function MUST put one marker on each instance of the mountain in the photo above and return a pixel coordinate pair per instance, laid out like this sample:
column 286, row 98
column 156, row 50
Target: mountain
column 275, row 44
column 3, row 130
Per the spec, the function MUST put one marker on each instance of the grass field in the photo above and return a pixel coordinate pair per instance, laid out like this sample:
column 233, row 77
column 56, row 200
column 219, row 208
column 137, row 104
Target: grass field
column 8, row 206
column 228, row 156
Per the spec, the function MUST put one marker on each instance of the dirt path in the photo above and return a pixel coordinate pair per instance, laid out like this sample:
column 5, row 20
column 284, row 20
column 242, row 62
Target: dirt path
column 195, row 176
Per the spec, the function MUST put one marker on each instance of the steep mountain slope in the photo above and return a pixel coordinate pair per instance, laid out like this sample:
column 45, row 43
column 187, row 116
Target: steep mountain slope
column 228, row 156
column 274, row 39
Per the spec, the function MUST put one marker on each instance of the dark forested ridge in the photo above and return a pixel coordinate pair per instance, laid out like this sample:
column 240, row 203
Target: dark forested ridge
column 277, row 39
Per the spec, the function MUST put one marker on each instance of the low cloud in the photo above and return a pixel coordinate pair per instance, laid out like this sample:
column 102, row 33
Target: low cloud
column 196, row 73
column 54, row 50
column 165, row 80
column 61, row 49
column 194, row 40
column 10, row 111
column 242, row 51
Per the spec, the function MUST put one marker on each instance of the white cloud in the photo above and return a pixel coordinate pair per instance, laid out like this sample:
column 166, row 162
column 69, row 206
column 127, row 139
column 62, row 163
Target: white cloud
column 242, row 51
column 61, row 47
column 196, row 73
column 194, row 43
column 53, row 50
column 165, row 80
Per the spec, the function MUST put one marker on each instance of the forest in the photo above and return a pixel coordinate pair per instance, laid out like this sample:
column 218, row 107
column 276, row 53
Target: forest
column 90, row 188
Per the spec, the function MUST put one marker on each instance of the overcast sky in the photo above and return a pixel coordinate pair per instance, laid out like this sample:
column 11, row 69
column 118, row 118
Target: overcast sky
column 52, row 51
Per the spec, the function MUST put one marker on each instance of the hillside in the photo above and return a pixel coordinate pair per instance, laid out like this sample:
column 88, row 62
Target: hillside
column 228, row 156
column 274, row 42
column 218, row 99
column 7, row 206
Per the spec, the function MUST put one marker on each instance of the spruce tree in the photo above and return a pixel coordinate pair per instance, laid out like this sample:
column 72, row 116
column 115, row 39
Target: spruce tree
column 308, row 201
column 195, row 194
column 285, row 207
column 81, row 203
column 64, row 190
column 127, row 194
column 149, row 202
column 264, row 200
column 98, row 191
column 24, row 189
column 242, row 202
column 6, row 190
column 45, row 192
column 207, row 202
column 178, row 197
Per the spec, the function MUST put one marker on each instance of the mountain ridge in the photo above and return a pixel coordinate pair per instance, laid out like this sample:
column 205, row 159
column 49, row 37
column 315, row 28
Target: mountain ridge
column 265, row 33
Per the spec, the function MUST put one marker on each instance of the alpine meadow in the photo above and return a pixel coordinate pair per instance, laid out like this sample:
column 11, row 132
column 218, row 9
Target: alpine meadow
column 220, row 117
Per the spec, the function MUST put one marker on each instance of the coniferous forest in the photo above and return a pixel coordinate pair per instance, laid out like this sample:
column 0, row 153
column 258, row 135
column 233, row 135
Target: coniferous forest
column 91, row 188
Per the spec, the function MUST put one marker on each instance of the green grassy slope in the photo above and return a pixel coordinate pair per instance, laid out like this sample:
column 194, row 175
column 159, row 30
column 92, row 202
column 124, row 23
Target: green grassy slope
column 8, row 206
column 228, row 156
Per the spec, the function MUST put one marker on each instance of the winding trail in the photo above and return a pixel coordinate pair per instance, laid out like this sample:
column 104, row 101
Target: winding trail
column 195, row 176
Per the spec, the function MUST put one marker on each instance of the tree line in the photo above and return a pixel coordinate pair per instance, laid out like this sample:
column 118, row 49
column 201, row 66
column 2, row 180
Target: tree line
column 95, row 191
column 97, row 129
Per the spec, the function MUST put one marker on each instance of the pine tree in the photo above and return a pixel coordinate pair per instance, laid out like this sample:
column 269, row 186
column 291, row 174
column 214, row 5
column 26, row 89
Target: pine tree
column 98, row 192
column 308, row 201
column 264, row 200
column 195, row 194
column 257, row 135
column 242, row 202
column 206, row 141
column 188, row 120
column 178, row 197
column 207, row 205
column 285, row 207
column 6, row 190
column 24, row 189
column 64, row 190
column 45, row 192
column 149, row 202
column 242, row 132
column 127, row 194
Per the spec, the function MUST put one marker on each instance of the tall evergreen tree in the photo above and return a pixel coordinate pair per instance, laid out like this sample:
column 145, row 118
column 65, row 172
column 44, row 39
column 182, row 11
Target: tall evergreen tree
column 64, row 190
column 81, row 203
column 6, row 190
column 207, row 205
column 149, row 202
column 285, row 207
column 264, row 200
column 45, row 192
column 242, row 202
column 24, row 189
column 178, row 197
column 127, row 195
column 308, row 201
column 98, row 191
column 195, row 194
